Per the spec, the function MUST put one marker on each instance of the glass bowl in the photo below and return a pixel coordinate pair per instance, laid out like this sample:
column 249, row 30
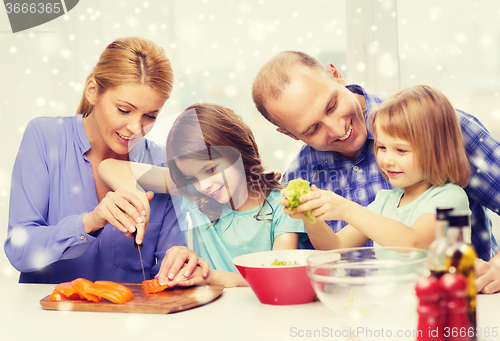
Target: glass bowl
column 369, row 283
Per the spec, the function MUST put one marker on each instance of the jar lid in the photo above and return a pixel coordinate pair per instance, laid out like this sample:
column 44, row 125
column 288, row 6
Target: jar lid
column 458, row 219
column 443, row 212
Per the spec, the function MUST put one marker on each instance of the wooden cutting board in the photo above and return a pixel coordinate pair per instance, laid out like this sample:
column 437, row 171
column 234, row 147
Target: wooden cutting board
column 168, row 301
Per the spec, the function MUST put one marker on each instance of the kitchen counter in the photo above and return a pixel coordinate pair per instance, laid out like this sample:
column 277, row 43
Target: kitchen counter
column 235, row 315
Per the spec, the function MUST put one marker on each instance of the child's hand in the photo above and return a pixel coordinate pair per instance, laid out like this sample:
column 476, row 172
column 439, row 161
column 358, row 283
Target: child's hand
column 296, row 214
column 195, row 278
column 180, row 260
column 284, row 202
column 324, row 205
column 294, row 189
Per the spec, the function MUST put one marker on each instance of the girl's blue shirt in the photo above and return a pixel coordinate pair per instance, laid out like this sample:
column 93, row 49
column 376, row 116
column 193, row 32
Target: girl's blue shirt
column 238, row 232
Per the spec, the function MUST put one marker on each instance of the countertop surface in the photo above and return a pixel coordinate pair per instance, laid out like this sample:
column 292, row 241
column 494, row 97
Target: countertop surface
column 236, row 315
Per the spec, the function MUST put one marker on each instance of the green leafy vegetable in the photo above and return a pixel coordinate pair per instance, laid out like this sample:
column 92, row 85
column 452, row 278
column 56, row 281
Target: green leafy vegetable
column 277, row 262
column 294, row 190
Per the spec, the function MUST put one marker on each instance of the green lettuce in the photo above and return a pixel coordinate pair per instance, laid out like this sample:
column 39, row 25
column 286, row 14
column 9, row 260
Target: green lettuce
column 294, row 190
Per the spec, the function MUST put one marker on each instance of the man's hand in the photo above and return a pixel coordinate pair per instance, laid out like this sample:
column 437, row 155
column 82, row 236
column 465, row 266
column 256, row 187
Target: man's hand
column 487, row 276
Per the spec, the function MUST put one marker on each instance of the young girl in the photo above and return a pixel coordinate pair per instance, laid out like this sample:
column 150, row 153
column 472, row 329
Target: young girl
column 214, row 164
column 419, row 149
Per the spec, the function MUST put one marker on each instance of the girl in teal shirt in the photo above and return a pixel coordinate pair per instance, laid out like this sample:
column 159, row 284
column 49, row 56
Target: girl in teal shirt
column 233, row 202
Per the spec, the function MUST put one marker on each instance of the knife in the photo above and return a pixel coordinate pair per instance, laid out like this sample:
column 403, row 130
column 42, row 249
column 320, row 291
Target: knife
column 139, row 247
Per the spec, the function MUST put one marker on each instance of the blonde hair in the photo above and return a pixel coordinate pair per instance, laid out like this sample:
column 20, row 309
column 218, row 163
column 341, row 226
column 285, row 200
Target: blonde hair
column 130, row 60
column 425, row 118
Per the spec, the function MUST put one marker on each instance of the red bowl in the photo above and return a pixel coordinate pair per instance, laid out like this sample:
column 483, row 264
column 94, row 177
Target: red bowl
column 278, row 284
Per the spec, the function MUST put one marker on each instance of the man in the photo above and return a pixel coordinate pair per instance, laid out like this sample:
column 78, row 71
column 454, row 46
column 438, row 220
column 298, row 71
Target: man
column 310, row 103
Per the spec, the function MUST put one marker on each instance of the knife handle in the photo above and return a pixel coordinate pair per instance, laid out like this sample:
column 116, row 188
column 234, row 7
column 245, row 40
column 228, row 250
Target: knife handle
column 137, row 246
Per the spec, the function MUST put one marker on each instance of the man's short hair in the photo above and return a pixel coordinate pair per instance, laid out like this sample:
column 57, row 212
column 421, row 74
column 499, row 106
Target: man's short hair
column 276, row 75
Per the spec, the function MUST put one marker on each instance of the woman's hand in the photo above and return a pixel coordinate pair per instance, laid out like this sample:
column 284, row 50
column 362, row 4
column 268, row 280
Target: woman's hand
column 179, row 264
column 126, row 211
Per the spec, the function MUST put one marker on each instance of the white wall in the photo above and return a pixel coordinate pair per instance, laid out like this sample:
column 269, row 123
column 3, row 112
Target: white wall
column 217, row 46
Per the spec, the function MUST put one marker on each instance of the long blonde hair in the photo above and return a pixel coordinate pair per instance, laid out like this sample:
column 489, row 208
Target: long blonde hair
column 425, row 118
column 130, row 60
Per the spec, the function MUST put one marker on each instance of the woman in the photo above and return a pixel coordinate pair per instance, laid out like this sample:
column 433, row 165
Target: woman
column 64, row 222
